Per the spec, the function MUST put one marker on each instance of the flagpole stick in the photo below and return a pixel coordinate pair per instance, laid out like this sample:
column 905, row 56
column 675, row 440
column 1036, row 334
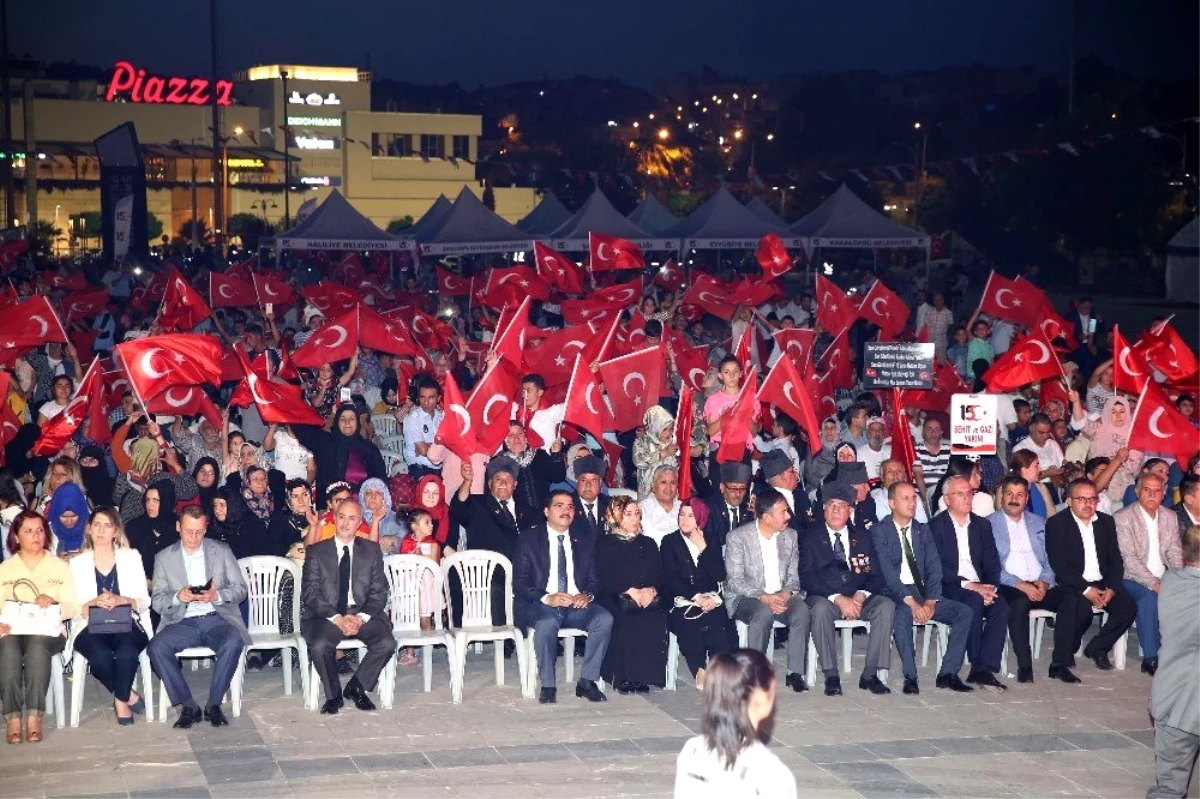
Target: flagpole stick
column 1137, row 409
column 982, row 297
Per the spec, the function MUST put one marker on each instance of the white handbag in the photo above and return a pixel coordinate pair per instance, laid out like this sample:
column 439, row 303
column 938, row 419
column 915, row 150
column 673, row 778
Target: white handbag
column 27, row 618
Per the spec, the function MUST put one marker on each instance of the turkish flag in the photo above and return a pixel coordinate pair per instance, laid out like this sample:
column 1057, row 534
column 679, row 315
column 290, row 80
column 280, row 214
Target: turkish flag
column 835, row 362
column 1130, row 371
column 490, row 405
column 773, row 256
column 1030, row 360
column 31, row 323
column 277, row 403
column 744, row 349
column 621, row 295
column 452, row 285
column 753, row 292
column 229, row 292
column 692, row 363
column 1167, row 352
column 10, row 425
column 711, row 295
column 430, row 331
column 1055, row 327
column 904, row 449
column 601, row 347
column 1159, row 427
column 613, row 252
column 85, row 304
column 349, row 269
column 633, row 383
column 1052, row 389
column 454, row 432
column 785, row 389
column 558, row 270
column 515, row 283
column 87, row 404
column 575, row 312
column 186, row 401
column 74, row 281
column 378, row 332
column 797, row 344
column 1015, row 300
column 271, row 290
column 735, row 431
column 823, row 393
column 156, row 363
column 834, row 311
column 183, row 307
column 330, row 299
column 685, row 420
column 244, row 270
column 115, row 385
column 156, row 288
column 586, row 405
column 883, row 308
column 670, row 276
column 554, row 357
column 336, row 340
column 10, row 251
column 509, row 342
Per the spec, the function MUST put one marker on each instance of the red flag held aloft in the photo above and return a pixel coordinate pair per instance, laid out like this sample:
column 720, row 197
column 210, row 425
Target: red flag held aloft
column 586, row 407
column 277, row 403
column 785, row 389
column 633, row 383
column 229, row 292
column 87, row 404
column 31, row 323
column 773, row 256
column 1015, row 300
column 452, row 285
column 334, row 341
column 490, row 405
column 156, row 363
column 1130, row 371
column 454, row 432
column 1030, row 360
column 834, row 311
column 183, row 307
column 271, row 290
column 670, row 276
column 331, row 299
column 736, row 429
column 1158, row 427
column 711, row 295
column 797, row 344
column 613, row 252
column 883, row 308
column 558, row 270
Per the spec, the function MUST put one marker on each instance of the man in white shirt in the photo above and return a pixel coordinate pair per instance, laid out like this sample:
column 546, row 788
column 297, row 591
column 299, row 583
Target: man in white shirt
column 1042, row 444
column 660, row 510
column 891, row 472
column 543, row 422
column 877, row 450
column 554, row 585
column 1082, row 548
column 420, row 427
column 1148, row 536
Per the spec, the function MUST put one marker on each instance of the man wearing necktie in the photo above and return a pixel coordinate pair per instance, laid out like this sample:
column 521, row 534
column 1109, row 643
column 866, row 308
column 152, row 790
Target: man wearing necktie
column 343, row 594
column 554, row 586
column 729, row 508
column 912, row 572
column 590, row 505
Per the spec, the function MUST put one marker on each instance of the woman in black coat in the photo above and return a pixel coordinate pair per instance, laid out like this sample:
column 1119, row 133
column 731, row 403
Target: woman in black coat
column 693, row 571
column 539, row 469
column 232, row 523
column 341, row 453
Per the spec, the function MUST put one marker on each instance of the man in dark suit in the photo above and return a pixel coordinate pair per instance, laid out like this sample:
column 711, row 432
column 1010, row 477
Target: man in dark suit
column 912, row 575
column 554, row 585
column 493, row 520
column 343, row 594
column 779, row 473
column 729, row 508
column 1082, row 548
column 1187, row 511
column 970, row 575
column 838, row 570
column 590, row 505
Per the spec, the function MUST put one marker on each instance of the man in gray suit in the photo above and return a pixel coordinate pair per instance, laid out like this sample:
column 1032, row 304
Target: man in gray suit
column 1174, row 701
column 912, row 572
column 762, row 584
column 198, row 586
column 343, row 594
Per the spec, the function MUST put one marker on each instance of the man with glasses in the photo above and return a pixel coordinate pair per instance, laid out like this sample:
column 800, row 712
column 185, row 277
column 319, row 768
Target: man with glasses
column 729, row 508
column 1041, row 443
column 1082, row 548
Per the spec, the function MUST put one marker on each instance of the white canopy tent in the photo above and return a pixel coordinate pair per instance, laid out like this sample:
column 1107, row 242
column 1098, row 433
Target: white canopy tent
column 1183, row 264
column 336, row 225
column 548, row 216
column 652, row 216
column 469, row 228
column 844, row 220
column 723, row 223
column 598, row 215
column 763, row 211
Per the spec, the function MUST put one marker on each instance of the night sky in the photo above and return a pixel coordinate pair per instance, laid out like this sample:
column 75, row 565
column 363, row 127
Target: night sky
column 488, row 42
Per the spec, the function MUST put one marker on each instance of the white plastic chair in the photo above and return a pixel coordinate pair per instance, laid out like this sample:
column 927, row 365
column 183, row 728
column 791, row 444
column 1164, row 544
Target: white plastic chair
column 387, row 688
column 405, row 575
column 384, row 424
column 847, row 628
column 393, row 463
column 1038, row 627
column 235, row 685
column 264, row 579
column 55, row 694
column 391, row 443
column 568, row 636
column 79, row 672
column 743, row 634
column 475, row 569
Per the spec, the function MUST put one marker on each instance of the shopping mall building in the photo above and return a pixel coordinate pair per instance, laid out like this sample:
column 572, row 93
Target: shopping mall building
column 319, row 119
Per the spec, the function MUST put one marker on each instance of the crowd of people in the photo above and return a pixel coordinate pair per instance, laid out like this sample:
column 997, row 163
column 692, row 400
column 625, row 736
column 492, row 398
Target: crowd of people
column 806, row 529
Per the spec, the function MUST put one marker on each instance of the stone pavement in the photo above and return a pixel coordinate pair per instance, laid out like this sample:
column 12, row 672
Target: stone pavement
column 1047, row 739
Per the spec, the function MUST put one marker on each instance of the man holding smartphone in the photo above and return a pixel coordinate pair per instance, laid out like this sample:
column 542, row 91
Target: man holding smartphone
column 198, row 586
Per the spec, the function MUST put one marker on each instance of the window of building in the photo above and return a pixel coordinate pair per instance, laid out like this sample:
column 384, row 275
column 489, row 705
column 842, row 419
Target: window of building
column 433, row 146
column 391, row 145
column 461, row 147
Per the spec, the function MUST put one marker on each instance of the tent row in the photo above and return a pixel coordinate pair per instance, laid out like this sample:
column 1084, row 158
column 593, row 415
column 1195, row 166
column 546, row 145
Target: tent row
column 466, row 226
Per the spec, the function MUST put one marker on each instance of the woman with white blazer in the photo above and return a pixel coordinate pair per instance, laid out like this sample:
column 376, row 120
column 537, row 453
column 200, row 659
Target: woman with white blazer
column 108, row 574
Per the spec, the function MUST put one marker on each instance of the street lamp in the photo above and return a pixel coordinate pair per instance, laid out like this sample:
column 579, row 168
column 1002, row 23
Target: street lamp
column 287, row 165
column 237, row 133
column 261, row 205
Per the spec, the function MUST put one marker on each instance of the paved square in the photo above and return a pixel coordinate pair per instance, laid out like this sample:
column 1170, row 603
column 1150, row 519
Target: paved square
column 1047, row 739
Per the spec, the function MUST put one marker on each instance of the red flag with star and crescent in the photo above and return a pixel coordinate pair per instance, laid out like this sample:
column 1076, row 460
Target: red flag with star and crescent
column 271, row 290
column 785, row 389
column 186, row 401
column 1030, row 360
column 613, row 252
column 1015, row 300
column 1158, row 427
column 490, row 405
column 711, row 295
column 183, row 308
column 331, row 299
column 834, row 311
column 797, row 344
column 883, row 308
column 87, row 404
column 670, row 276
column 1130, row 371
column 586, row 407
column 454, row 431
column 31, row 323
column 277, row 402
column 633, row 383
column 1166, row 351
column 558, row 270
column 452, row 285
column 229, row 292
column 336, row 340
column 773, row 256
column 156, row 363
column 735, row 430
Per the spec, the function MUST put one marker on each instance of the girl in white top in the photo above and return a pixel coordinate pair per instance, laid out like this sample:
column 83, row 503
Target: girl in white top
column 727, row 761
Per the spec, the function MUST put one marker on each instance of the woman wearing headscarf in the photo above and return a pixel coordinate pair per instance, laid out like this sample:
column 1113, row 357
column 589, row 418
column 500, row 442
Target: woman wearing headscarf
column 693, row 573
column 430, row 497
column 538, row 468
column 654, row 446
column 68, row 516
column 207, row 474
column 377, row 512
column 255, row 491
column 341, row 453
column 154, row 529
column 1107, row 435
column 293, row 522
column 97, row 483
column 844, row 452
column 142, row 466
column 233, row 523
column 19, row 457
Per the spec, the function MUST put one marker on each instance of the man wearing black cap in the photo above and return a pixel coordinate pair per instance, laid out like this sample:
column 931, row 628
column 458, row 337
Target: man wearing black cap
column 494, row 519
column 730, row 507
column 862, row 507
column 590, row 505
column 839, row 571
column 780, row 474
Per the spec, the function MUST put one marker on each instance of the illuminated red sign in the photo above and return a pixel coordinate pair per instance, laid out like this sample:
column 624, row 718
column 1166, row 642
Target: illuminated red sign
column 138, row 87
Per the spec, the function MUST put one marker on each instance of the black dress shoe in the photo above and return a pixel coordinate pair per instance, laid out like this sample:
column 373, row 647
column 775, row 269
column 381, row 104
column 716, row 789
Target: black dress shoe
column 986, row 679
column 953, row 682
column 216, row 716
column 910, row 686
column 1063, row 673
column 510, row 646
column 1025, row 674
column 332, row 706
column 1100, row 659
column 588, row 690
column 873, row 684
column 548, row 696
column 1149, row 666
column 833, row 686
column 358, row 696
column 796, row 683
column 626, row 687
column 187, row 717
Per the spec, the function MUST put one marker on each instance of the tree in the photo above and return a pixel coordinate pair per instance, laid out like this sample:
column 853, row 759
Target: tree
column 93, row 224
column 249, row 228
column 400, row 225
column 154, row 226
column 185, row 231
column 42, row 237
